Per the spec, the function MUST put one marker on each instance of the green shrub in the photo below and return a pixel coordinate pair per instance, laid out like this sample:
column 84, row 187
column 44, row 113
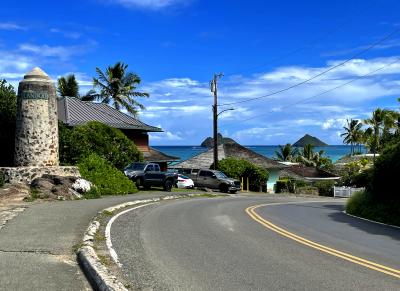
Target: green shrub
column 95, row 137
column 8, row 106
column 309, row 190
column 107, row 179
column 1, row 179
column 385, row 174
column 325, row 188
column 238, row 168
column 285, row 186
column 365, row 205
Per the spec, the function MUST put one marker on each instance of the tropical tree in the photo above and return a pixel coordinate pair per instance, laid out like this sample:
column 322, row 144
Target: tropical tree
column 117, row 86
column 286, row 153
column 374, row 129
column 353, row 133
column 308, row 157
column 68, row 86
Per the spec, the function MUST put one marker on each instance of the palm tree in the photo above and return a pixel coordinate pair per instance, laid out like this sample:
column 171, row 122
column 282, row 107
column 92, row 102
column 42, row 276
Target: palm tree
column 353, row 133
column 375, row 126
column 68, row 86
column 313, row 159
column 286, row 153
column 117, row 86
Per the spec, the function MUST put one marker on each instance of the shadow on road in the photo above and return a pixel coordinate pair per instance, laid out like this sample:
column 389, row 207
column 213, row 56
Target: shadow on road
column 369, row 227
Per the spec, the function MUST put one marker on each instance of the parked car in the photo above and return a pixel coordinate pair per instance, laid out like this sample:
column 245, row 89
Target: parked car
column 184, row 182
column 215, row 180
column 149, row 174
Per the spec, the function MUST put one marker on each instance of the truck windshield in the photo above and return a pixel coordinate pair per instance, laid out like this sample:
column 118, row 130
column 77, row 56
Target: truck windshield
column 136, row 166
column 220, row 175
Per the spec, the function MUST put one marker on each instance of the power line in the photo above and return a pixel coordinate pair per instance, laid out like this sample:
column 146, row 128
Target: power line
column 301, row 48
column 322, row 93
column 319, row 74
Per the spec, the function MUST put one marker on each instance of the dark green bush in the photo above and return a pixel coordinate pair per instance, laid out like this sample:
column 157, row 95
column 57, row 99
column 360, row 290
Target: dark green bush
column 8, row 105
column 1, row 179
column 238, row 168
column 385, row 174
column 325, row 188
column 285, row 186
column 107, row 179
column 364, row 204
column 95, row 137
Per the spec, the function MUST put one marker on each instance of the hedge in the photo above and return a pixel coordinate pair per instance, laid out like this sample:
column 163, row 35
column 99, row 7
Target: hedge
column 238, row 168
column 107, row 179
column 95, row 137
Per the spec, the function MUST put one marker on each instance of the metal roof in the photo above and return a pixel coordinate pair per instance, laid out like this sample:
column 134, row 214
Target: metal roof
column 73, row 111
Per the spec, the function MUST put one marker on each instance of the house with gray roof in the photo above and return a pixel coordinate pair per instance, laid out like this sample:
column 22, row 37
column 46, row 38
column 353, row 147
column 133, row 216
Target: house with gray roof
column 74, row 112
column 275, row 168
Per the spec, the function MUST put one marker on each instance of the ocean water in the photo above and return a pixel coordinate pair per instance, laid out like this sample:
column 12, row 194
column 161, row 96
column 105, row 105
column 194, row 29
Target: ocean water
column 334, row 152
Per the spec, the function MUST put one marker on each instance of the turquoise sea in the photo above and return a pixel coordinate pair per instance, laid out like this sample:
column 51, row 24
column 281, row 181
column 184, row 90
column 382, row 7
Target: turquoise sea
column 334, row 152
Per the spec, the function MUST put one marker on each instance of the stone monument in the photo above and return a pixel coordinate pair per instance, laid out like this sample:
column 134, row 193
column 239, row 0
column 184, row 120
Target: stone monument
column 36, row 136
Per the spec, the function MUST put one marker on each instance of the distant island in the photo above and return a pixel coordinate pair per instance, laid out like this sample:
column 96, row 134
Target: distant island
column 209, row 141
column 308, row 139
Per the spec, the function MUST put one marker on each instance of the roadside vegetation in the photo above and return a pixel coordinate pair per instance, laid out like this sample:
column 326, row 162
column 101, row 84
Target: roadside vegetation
column 306, row 156
column 107, row 179
column 239, row 168
column 95, row 137
column 8, row 107
column 381, row 199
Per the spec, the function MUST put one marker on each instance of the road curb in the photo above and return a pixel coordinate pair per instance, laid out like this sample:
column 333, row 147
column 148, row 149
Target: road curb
column 98, row 274
column 369, row 220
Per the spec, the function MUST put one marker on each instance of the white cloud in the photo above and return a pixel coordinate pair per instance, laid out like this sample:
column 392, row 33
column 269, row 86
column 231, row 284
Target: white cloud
column 335, row 123
column 67, row 34
column 281, row 118
column 148, row 4
column 11, row 26
column 166, row 136
column 60, row 52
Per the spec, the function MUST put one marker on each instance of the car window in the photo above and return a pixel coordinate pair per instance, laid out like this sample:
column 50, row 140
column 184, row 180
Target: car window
column 157, row 168
column 220, row 175
column 203, row 173
column 150, row 168
column 183, row 176
column 136, row 166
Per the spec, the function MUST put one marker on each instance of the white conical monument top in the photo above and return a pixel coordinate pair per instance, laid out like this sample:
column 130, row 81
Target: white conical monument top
column 36, row 74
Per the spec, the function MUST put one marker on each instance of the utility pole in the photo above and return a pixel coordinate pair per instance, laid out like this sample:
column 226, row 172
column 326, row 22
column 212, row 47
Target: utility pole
column 214, row 89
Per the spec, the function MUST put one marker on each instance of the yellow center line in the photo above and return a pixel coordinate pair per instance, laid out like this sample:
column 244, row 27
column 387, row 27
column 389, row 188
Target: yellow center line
column 348, row 257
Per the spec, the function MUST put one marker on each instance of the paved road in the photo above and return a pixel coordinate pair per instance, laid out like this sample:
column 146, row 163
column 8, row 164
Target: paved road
column 213, row 244
column 36, row 247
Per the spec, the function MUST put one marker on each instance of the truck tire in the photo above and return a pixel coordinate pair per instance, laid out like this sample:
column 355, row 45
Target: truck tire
column 138, row 182
column 232, row 191
column 168, row 185
column 223, row 188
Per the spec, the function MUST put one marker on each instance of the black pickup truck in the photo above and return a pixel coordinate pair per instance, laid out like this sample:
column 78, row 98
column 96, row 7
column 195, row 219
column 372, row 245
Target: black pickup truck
column 147, row 175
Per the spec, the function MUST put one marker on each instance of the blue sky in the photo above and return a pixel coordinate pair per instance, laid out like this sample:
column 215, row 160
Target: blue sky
column 260, row 46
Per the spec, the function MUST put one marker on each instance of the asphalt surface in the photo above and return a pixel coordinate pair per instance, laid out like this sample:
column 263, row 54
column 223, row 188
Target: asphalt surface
column 213, row 244
column 36, row 247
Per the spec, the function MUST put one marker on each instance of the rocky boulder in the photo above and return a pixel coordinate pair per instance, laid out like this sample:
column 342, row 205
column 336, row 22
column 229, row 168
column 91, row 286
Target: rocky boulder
column 54, row 187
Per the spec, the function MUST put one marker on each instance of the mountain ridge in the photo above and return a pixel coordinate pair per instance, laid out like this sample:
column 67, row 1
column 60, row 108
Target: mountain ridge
column 308, row 139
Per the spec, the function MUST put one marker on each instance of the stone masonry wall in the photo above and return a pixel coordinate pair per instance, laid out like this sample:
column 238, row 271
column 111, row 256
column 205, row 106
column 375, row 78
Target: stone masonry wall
column 27, row 174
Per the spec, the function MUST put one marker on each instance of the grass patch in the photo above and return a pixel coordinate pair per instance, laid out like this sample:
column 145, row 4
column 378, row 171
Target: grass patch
column 34, row 194
column 104, row 260
column 107, row 213
column 363, row 204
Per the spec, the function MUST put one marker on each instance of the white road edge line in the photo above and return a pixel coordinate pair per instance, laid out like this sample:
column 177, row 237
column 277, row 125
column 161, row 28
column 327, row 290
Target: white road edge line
column 369, row 220
column 109, row 244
